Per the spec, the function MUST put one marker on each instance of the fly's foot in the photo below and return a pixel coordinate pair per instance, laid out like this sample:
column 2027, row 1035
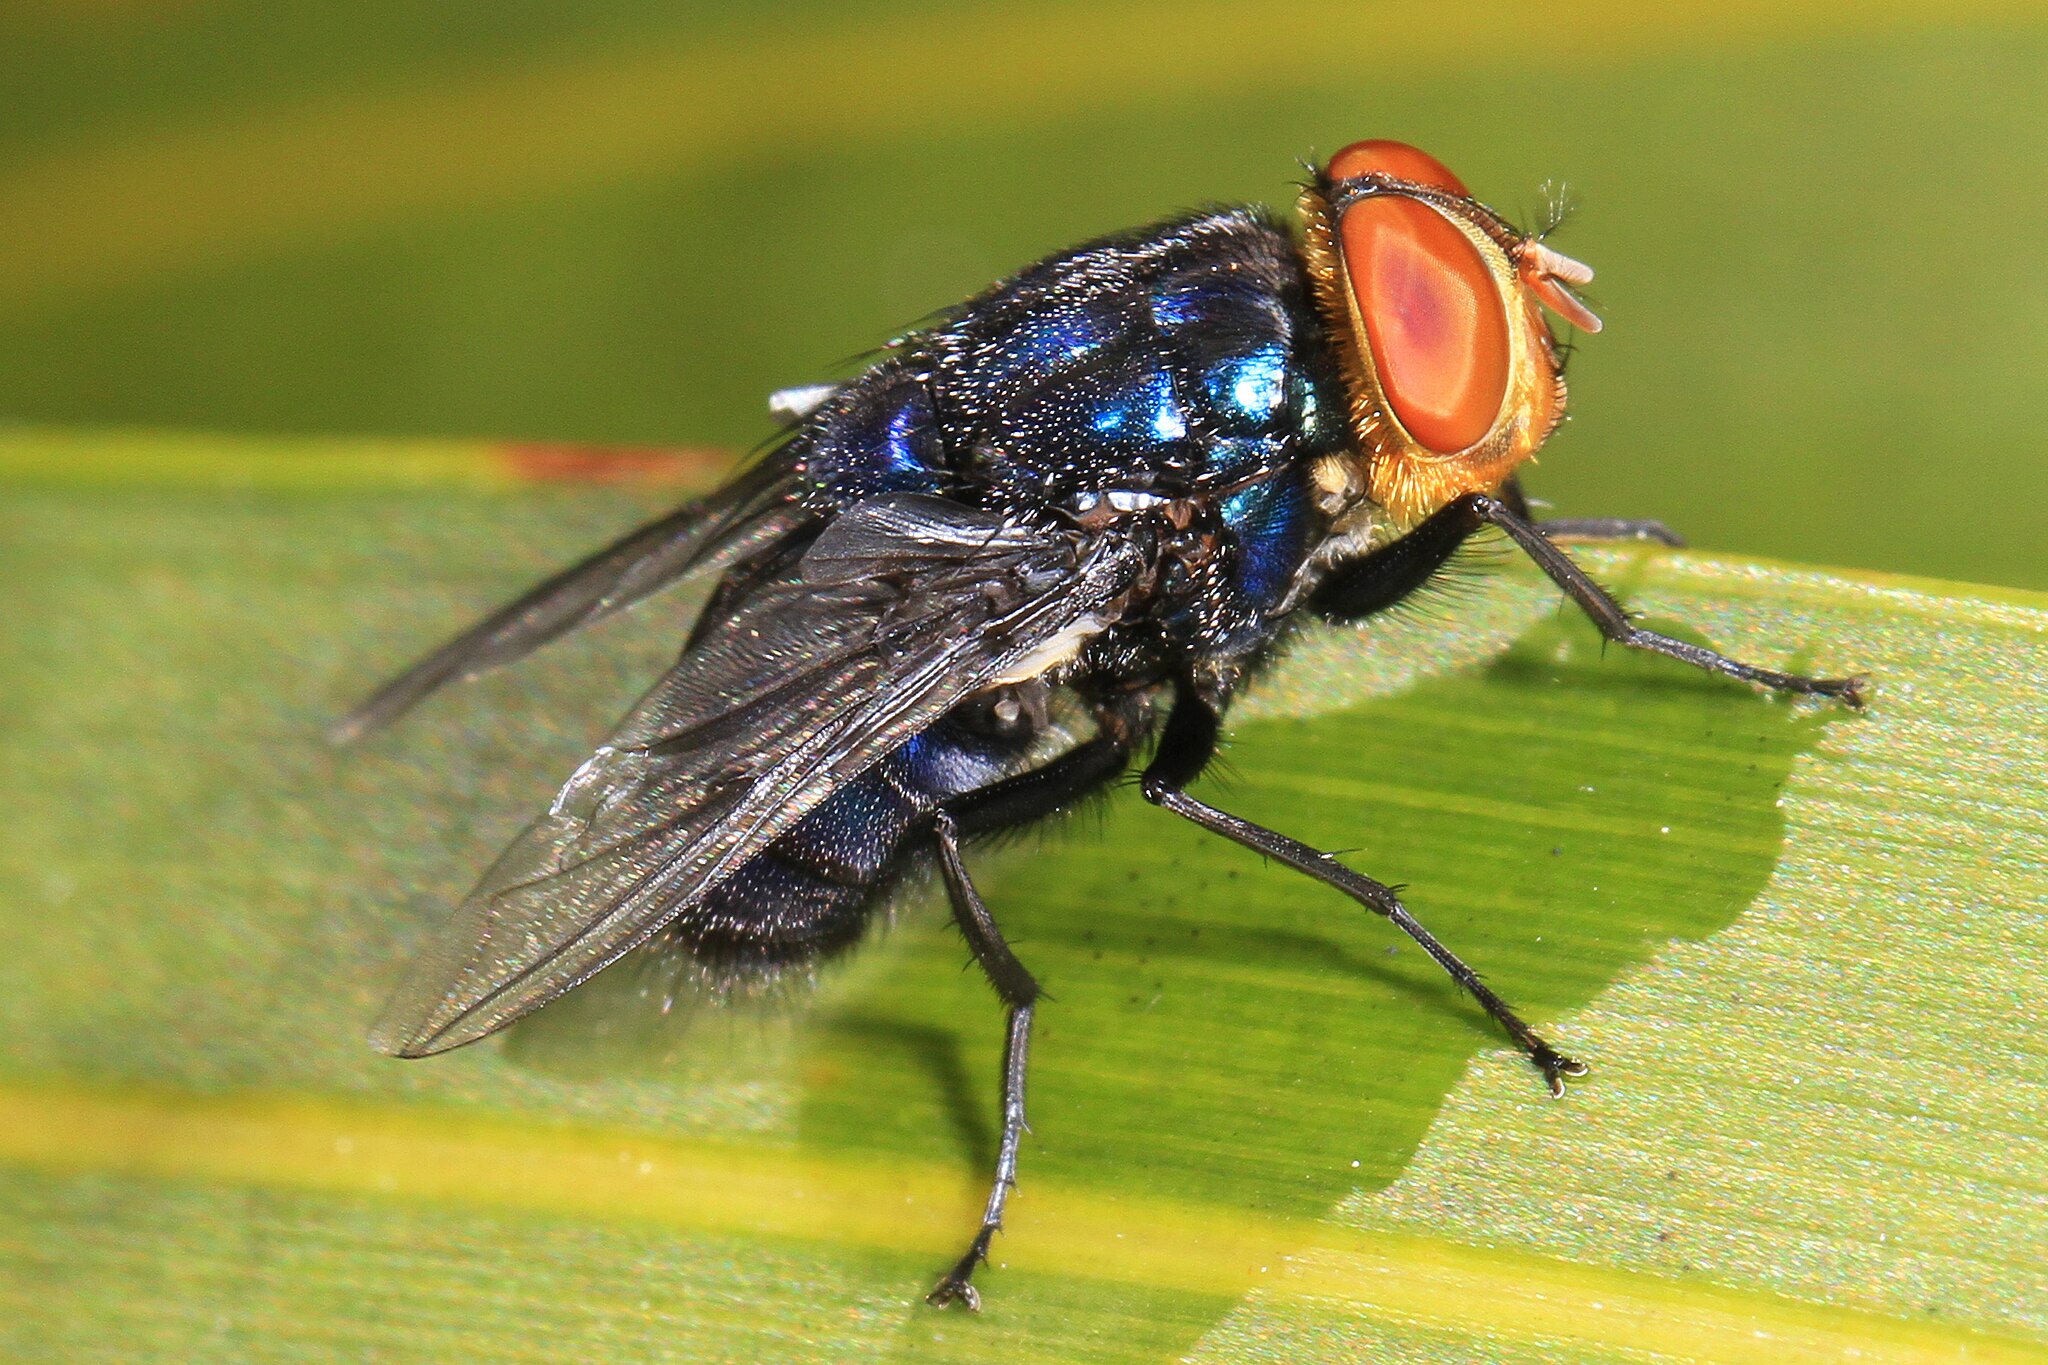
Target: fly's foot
column 955, row 1289
column 1555, row 1067
column 1853, row 692
column 957, row 1286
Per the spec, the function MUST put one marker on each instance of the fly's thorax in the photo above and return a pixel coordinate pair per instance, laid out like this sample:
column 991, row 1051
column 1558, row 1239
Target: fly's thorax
column 1432, row 305
column 1170, row 361
column 1223, row 565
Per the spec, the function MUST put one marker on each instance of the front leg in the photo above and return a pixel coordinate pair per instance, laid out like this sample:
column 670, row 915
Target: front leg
column 1613, row 622
column 1611, row 531
column 1591, row 530
column 1395, row 570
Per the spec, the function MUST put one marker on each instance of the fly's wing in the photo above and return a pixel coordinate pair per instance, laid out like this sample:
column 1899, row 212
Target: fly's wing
column 743, row 515
column 901, row 608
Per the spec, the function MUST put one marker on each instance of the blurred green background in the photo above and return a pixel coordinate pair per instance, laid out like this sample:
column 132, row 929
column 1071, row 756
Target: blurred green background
column 627, row 221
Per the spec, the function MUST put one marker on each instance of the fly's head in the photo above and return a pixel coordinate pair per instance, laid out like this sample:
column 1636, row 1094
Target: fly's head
column 1434, row 306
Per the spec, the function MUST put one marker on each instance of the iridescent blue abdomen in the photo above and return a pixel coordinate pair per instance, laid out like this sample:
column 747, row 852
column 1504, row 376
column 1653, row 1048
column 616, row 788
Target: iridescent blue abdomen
column 806, row 891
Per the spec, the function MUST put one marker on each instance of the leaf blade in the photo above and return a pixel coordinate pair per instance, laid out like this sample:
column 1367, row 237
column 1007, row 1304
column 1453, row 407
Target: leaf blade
column 208, row 915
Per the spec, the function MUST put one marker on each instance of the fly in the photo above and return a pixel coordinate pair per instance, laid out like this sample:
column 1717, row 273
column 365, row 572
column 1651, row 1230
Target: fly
column 1119, row 477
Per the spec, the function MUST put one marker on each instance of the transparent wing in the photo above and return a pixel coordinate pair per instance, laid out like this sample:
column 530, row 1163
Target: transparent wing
column 902, row 607
column 710, row 534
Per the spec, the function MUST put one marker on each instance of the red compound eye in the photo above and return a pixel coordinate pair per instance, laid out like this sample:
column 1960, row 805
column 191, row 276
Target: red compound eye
column 1434, row 317
column 1379, row 156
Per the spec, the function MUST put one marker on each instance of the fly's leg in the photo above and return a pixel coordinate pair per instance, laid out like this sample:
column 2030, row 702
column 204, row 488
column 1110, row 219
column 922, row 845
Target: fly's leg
column 1040, row 791
column 1380, row 899
column 1185, row 748
column 1015, row 800
column 1597, row 530
column 1397, row 569
column 1613, row 622
column 1019, row 991
column 1590, row 529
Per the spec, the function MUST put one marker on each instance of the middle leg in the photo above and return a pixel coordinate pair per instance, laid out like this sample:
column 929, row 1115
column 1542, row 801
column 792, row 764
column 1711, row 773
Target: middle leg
column 1184, row 750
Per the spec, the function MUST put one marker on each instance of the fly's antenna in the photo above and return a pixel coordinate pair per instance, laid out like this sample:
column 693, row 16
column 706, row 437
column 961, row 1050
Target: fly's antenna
column 1559, row 204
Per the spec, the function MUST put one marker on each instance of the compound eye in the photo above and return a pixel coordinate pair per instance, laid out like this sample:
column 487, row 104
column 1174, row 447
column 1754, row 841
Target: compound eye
column 1381, row 156
column 1434, row 318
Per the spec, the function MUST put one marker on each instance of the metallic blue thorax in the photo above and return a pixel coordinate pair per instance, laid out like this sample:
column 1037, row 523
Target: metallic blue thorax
column 1174, row 361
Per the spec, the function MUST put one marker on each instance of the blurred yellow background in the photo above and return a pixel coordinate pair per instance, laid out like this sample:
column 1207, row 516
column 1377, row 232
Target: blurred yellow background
column 1814, row 224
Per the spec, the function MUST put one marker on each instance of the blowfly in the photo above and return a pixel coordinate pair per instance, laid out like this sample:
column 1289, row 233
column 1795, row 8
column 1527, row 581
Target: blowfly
column 1111, row 484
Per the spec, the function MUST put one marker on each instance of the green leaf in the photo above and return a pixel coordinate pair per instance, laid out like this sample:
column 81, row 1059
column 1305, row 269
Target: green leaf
column 1801, row 948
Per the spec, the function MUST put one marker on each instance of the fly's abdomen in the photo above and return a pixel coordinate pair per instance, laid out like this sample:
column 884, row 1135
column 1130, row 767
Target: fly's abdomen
column 810, row 891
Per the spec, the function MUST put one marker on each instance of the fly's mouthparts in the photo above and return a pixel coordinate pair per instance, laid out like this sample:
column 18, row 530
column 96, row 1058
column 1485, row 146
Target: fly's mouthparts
column 1555, row 264
column 1550, row 276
